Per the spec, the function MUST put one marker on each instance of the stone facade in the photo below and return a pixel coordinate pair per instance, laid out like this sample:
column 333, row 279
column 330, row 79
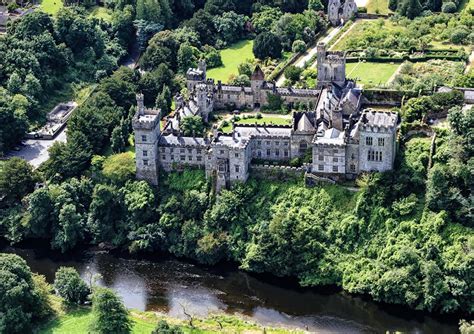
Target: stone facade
column 342, row 140
column 340, row 11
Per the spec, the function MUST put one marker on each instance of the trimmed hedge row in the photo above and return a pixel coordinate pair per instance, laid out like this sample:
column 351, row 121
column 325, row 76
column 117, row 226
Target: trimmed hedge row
column 402, row 59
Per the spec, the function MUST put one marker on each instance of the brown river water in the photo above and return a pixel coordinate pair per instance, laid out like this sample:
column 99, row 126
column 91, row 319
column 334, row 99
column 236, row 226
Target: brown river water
column 165, row 284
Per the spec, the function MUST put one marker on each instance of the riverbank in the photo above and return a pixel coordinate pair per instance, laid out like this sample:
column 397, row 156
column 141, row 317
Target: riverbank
column 78, row 321
column 160, row 284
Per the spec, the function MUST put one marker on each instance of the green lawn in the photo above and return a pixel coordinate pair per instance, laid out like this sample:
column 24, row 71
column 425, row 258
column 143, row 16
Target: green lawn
column 79, row 321
column 371, row 73
column 268, row 119
column 232, row 57
column 54, row 6
column 378, row 7
column 51, row 6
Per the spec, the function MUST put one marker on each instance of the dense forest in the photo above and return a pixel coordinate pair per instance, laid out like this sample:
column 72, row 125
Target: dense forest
column 405, row 237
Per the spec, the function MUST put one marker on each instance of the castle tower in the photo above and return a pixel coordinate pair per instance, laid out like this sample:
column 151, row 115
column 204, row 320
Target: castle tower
column 202, row 67
column 331, row 67
column 204, row 100
column 256, row 82
column 196, row 75
column 334, row 7
column 146, row 127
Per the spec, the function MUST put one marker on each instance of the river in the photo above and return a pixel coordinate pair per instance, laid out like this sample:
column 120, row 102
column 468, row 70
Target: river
column 166, row 284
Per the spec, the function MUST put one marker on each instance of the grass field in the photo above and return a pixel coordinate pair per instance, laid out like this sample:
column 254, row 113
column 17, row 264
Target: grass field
column 232, row 57
column 268, row 119
column 79, row 322
column 51, row 6
column 54, row 6
column 371, row 73
column 378, row 7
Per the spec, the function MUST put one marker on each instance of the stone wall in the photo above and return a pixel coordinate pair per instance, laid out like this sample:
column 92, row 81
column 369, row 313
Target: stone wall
column 278, row 172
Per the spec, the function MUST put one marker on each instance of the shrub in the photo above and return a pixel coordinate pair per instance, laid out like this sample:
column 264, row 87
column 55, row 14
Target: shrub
column 164, row 328
column 298, row 46
column 70, row 286
column 459, row 36
column 449, row 7
column 293, row 73
column 259, row 116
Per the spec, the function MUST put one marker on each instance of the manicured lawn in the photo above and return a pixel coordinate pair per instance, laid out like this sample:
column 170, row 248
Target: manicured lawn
column 378, row 7
column 51, row 6
column 232, row 57
column 371, row 73
column 268, row 119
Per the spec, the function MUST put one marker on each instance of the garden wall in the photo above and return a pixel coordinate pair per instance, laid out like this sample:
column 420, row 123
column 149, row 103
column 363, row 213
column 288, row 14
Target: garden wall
column 387, row 97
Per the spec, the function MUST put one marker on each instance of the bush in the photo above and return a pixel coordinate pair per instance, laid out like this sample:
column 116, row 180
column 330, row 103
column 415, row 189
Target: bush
column 449, row 7
column 259, row 116
column 70, row 286
column 459, row 36
column 362, row 10
column 110, row 315
column 298, row 46
column 293, row 73
column 164, row 328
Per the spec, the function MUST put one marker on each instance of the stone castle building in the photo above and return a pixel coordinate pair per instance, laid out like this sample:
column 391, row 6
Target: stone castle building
column 340, row 11
column 342, row 140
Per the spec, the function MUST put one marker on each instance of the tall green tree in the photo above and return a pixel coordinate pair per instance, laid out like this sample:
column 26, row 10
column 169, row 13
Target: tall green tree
column 110, row 315
column 17, row 179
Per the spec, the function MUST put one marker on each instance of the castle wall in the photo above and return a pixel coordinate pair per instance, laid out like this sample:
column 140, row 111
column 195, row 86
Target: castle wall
column 352, row 160
column 173, row 158
column 329, row 159
column 271, row 148
column 376, row 150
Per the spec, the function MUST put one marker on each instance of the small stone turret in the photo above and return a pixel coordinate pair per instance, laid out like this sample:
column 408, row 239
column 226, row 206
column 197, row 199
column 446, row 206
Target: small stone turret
column 140, row 104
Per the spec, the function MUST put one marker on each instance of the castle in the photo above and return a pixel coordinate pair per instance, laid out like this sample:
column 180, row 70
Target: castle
column 342, row 140
column 340, row 12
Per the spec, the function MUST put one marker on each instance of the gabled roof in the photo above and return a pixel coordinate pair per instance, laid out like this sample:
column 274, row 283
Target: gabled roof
column 304, row 124
column 257, row 74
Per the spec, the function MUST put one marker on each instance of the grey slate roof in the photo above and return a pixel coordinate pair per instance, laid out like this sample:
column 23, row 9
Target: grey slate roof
column 172, row 140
